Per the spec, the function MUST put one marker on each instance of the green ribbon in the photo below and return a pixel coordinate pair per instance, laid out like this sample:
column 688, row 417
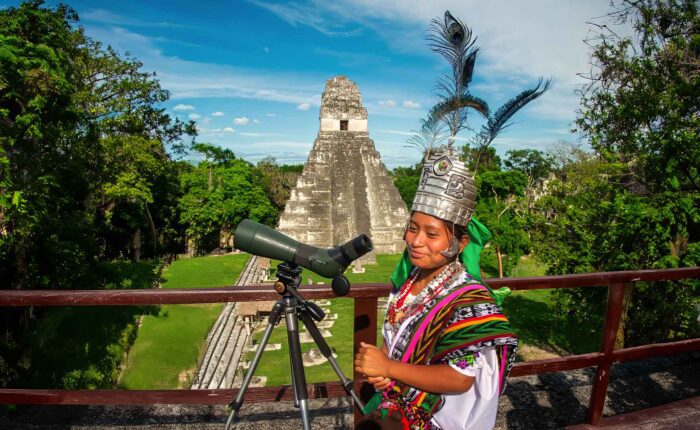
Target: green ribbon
column 479, row 235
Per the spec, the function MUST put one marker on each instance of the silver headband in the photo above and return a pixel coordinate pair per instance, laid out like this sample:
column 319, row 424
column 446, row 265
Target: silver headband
column 446, row 190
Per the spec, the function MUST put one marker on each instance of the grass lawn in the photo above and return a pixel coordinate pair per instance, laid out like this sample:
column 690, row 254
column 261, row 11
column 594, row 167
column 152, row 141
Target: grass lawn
column 81, row 347
column 168, row 344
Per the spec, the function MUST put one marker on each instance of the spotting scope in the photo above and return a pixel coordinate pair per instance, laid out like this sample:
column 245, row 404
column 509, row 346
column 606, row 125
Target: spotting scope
column 263, row 241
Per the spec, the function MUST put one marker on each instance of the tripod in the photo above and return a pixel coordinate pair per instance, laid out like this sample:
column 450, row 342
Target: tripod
column 295, row 308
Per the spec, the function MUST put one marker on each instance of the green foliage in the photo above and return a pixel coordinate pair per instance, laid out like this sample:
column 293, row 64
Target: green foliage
column 82, row 347
column 84, row 174
column 406, row 182
column 278, row 181
column 218, row 196
column 634, row 204
column 479, row 160
column 497, row 207
column 532, row 162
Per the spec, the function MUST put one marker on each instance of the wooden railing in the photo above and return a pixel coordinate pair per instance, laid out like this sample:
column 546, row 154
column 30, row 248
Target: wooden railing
column 365, row 326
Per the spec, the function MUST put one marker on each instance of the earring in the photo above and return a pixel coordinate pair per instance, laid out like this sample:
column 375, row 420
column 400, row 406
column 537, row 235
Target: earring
column 452, row 250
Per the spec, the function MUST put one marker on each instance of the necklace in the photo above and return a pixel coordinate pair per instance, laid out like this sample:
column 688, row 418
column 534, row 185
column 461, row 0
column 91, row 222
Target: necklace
column 401, row 307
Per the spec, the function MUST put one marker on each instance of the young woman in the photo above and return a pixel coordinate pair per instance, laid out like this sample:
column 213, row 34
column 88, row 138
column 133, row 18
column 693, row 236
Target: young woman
column 447, row 346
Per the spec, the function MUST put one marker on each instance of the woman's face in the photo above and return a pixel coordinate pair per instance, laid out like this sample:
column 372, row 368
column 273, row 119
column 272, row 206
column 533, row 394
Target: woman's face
column 426, row 237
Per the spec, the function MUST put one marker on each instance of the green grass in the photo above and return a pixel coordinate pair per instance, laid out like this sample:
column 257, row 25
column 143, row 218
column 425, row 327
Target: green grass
column 169, row 344
column 81, row 347
column 531, row 313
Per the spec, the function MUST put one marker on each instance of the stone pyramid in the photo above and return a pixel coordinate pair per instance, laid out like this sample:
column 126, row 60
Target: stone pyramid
column 344, row 189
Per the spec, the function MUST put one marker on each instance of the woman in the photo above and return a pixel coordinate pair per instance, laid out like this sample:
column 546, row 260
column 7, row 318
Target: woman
column 447, row 346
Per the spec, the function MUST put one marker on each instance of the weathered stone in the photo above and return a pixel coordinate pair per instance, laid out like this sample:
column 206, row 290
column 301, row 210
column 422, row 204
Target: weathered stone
column 344, row 189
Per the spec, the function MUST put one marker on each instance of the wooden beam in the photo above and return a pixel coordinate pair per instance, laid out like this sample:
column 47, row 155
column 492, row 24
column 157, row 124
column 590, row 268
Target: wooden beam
column 263, row 292
column 556, row 364
column 656, row 350
column 365, row 328
column 154, row 397
column 616, row 293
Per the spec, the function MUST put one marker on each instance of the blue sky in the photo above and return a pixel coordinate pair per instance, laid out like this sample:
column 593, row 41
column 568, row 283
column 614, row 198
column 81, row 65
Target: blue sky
column 251, row 72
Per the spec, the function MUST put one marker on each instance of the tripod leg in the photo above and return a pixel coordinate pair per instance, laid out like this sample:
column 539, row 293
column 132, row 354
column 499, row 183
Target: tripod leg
column 328, row 353
column 298, row 377
column 272, row 321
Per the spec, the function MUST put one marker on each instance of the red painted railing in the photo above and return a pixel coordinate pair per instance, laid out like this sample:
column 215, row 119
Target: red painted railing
column 365, row 297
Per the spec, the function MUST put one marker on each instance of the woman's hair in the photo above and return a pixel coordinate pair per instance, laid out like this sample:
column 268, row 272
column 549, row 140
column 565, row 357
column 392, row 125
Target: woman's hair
column 459, row 230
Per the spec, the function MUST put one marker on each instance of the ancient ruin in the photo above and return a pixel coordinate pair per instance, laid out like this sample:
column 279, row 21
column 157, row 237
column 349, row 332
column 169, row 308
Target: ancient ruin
column 345, row 189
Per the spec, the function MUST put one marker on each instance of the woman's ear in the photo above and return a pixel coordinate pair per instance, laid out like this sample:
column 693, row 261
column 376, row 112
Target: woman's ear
column 463, row 243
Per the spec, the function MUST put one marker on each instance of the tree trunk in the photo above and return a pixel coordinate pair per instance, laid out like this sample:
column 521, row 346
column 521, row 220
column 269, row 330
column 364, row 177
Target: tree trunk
column 152, row 227
column 500, row 261
column 136, row 246
column 620, row 336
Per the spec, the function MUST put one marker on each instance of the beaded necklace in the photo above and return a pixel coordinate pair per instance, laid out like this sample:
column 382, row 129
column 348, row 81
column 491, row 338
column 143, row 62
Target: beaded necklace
column 400, row 308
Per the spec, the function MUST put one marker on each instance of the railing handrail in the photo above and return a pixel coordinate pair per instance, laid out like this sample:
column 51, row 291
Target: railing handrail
column 365, row 297
column 158, row 296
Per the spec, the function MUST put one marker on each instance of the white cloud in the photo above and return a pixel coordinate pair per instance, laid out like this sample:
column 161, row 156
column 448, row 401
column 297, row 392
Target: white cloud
column 256, row 121
column 229, row 130
column 241, row 121
column 387, row 103
column 410, row 104
column 107, row 17
column 270, row 114
column 400, row 133
column 309, row 15
column 194, row 116
column 303, row 106
column 255, row 134
column 183, row 107
column 218, row 113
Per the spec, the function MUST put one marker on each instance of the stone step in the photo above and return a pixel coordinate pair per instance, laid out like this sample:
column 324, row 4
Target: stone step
column 219, row 350
column 219, row 378
column 207, row 365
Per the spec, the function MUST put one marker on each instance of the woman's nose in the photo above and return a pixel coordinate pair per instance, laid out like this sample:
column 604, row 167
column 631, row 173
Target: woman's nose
column 416, row 240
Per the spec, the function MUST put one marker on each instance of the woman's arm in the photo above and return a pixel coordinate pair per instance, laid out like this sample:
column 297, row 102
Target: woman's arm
column 439, row 378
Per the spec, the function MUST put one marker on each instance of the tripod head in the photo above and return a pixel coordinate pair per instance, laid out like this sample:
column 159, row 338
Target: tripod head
column 288, row 279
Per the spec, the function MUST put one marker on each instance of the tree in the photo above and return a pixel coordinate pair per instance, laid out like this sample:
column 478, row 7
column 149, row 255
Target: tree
column 218, row 195
column 277, row 180
column 84, row 171
column 497, row 207
column 480, row 160
column 532, row 162
column 406, row 181
column 640, row 114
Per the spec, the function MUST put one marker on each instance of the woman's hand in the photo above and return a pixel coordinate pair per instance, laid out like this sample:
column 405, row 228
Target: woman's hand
column 372, row 361
column 379, row 382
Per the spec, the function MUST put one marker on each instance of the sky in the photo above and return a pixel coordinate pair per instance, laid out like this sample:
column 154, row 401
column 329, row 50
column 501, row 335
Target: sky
column 251, row 73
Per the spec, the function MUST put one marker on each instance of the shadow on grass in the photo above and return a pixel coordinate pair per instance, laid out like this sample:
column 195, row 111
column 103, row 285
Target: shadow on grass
column 81, row 347
column 536, row 323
